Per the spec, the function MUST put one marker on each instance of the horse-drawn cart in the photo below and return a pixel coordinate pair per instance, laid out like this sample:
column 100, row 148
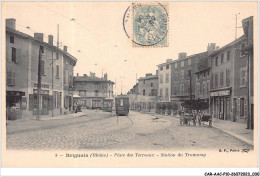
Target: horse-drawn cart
column 186, row 118
column 205, row 118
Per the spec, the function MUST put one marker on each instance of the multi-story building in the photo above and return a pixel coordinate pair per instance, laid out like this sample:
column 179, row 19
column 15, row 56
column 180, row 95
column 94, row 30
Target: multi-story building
column 143, row 96
column 228, row 90
column 183, row 80
column 93, row 90
column 22, row 59
column 68, row 64
column 164, row 74
column 203, row 70
column 248, row 51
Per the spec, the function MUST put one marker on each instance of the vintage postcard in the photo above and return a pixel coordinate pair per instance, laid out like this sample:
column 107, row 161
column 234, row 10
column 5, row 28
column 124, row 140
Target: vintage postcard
column 129, row 84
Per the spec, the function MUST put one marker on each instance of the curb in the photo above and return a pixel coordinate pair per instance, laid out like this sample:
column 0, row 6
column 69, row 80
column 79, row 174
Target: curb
column 251, row 142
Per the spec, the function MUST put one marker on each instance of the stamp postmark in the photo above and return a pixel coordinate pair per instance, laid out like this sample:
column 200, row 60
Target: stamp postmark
column 148, row 25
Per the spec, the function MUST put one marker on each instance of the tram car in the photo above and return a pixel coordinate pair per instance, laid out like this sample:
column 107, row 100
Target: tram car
column 122, row 105
column 107, row 105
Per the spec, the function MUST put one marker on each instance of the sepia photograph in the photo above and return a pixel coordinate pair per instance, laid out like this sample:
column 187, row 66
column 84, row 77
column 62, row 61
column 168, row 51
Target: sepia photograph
column 129, row 84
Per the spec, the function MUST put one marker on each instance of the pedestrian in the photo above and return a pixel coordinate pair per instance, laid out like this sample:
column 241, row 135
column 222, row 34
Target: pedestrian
column 13, row 112
column 76, row 108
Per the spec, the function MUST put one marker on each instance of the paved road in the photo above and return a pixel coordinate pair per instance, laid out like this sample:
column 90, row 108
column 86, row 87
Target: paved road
column 100, row 130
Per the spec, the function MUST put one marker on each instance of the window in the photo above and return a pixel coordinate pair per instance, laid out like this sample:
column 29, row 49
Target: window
column 96, row 92
column 181, row 89
column 216, row 61
column 221, row 79
column 198, row 76
column 121, row 103
column 222, row 58
column 227, row 77
column 66, row 77
column 207, row 86
column 161, row 92
column 175, row 90
column 166, row 92
column 198, row 87
column 43, row 67
column 182, row 74
column 176, row 65
column 42, row 49
column 182, row 63
column 143, row 92
column 57, row 71
column 189, row 61
column 167, row 66
column 82, row 92
column 14, row 55
column 216, row 80
column 167, row 78
column 228, row 55
column 161, row 78
column 204, row 73
column 211, row 83
column 243, row 77
column 161, row 68
column 12, row 39
column 144, row 81
column 242, row 107
column 151, row 84
column 10, row 78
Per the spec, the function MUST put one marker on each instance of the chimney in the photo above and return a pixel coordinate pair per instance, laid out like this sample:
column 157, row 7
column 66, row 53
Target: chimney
column 182, row 55
column 85, row 75
column 105, row 76
column 168, row 60
column 211, row 47
column 38, row 36
column 50, row 39
column 92, row 74
column 65, row 48
column 148, row 74
column 10, row 23
column 77, row 74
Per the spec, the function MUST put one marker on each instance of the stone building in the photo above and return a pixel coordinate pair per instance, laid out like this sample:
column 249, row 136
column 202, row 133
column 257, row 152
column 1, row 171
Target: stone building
column 93, row 90
column 164, row 74
column 143, row 96
column 22, row 59
column 228, row 89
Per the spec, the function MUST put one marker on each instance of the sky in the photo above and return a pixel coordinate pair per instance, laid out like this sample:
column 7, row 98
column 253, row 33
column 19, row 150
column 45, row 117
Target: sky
column 97, row 32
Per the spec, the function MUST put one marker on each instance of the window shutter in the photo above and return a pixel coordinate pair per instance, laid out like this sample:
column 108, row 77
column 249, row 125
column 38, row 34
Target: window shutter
column 13, row 78
column 9, row 79
column 31, row 102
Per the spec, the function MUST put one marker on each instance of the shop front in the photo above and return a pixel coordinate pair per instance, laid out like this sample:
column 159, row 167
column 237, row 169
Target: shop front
column 15, row 103
column 220, row 102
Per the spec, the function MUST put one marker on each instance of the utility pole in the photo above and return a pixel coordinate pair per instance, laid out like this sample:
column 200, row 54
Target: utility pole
column 190, row 88
column 236, row 26
column 52, row 82
column 39, row 84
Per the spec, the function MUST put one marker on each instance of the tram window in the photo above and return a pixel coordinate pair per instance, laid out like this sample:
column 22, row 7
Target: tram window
column 121, row 102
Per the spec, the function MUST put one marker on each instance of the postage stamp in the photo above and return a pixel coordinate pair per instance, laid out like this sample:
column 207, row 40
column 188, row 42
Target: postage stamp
column 150, row 25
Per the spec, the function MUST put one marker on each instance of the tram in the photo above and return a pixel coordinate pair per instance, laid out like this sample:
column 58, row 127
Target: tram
column 122, row 105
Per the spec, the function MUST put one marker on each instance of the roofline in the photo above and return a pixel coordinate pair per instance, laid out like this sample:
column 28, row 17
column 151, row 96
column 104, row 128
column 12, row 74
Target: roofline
column 19, row 33
column 227, row 46
column 176, row 60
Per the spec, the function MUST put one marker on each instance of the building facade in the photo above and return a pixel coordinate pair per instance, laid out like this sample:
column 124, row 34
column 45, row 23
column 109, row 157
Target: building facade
column 164, row 75
column 248, row 50
column 144, row 95
column 184, row 78
column 91, row 90
column 228, row 91
column 22, row 60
